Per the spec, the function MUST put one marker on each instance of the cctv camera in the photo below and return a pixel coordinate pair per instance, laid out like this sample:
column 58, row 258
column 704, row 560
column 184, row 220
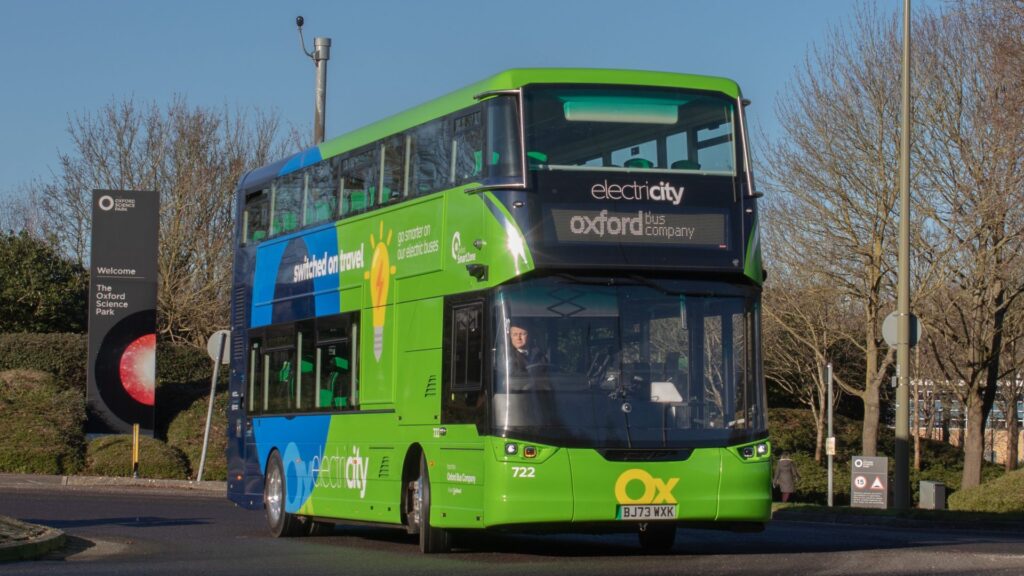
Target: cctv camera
column 299, row 21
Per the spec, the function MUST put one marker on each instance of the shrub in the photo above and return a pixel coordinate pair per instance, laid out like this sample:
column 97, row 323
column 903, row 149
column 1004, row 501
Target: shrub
column 40, row 424
column 112, row 456
column 1003, row 494
column 186, row 434
column 41, row 290
column 183, row 376
column 63, row 355
column 793, row 430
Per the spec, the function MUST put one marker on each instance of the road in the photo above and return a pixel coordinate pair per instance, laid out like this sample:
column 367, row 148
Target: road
column 143, row 532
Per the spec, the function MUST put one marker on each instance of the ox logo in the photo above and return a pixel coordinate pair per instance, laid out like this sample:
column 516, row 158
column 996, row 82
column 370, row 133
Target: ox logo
column 655, row 490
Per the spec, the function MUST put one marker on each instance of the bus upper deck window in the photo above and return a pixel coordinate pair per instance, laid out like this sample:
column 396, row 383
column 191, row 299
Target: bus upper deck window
column 322, row 196
column 256, row 217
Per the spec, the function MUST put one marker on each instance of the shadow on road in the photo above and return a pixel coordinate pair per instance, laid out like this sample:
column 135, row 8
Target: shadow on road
column 131, row 521
column 778, row 539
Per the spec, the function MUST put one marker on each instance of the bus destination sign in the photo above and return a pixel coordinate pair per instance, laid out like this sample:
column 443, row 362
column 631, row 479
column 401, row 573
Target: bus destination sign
column 639, row 226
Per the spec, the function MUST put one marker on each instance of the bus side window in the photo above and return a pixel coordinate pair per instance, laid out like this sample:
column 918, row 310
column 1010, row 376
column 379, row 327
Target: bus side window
column 358, row 174
column 286, row 206
column 257, row 216
column 463, row 399
column 393, row 170
column 429, row 162
column 280, row 370
column 255, row 392
column 322, row 194
column 468, row 147
column 306, row 365
column 336, row 363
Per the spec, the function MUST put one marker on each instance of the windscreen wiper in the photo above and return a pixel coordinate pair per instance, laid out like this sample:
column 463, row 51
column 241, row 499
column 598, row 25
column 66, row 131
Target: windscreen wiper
column 652, row 284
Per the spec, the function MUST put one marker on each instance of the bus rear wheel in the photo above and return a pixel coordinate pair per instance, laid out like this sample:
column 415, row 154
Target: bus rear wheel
column 657, row 537
column 281, row 523
column 432, row 540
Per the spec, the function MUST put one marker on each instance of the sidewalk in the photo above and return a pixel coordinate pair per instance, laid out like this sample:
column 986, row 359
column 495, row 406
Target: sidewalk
column 206, row 487
column 22, row 541
column 915, row 519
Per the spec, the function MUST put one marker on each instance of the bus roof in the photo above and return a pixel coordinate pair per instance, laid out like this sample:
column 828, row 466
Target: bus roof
column 463, row 97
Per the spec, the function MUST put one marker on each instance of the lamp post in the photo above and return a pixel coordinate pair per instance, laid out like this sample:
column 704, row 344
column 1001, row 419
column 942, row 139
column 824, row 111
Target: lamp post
column 901, row 488
column 320, row 55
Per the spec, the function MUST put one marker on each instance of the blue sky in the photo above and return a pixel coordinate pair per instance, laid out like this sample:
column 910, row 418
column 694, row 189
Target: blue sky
column 65, row 58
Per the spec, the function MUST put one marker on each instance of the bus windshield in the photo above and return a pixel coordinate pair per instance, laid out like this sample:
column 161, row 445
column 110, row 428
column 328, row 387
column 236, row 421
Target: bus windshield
column 647, row 365
column 629, row 129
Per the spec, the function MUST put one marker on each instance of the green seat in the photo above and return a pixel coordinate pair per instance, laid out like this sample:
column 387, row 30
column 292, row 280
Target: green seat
column 285, row 380
column 535, row 158
column 638, row 163
column 326, row 397
column 478, row 162
column 327, row 394
column 322, row 211
column 353, row 201
column 685, row 165
column 259, row 235
column 286, row 222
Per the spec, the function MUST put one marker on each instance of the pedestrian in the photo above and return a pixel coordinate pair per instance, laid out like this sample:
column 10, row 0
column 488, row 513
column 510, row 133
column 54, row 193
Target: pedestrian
column 786, row 476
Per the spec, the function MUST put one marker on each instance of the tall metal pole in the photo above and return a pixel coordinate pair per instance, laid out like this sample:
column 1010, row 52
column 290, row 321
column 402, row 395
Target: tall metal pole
column 321, row 54
column 901, row 487
column 828, row 380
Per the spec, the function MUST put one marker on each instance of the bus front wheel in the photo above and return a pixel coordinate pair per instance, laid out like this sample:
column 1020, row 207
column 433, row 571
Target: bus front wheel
column 432, row 540
column 281, row 523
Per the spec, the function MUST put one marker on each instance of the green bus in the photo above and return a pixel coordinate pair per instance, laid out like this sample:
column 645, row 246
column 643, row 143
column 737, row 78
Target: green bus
column 531, row 304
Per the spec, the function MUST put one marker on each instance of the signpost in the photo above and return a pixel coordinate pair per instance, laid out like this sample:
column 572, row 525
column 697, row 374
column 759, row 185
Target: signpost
column 122, row 310
column 869, row 482
column 217, row 347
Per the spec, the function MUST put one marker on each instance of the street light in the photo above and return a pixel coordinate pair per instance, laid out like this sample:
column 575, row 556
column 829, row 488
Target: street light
column 320, row 55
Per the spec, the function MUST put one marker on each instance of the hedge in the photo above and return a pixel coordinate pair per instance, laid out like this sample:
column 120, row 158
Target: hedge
column 63, row 355
column 186, row 434
column 183, row 377
column 1003, row 494
column 112, row 456
column 41, row 424
column 792, row 430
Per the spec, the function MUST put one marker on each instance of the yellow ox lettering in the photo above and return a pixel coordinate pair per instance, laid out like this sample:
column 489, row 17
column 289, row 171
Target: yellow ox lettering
column 656, row 490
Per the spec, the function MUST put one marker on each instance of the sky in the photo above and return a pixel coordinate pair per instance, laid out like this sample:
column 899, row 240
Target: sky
column 64, row 59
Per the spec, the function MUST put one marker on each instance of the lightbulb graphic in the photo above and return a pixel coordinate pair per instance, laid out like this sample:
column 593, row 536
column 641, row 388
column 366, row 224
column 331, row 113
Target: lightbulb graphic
column 379, row 276
column 138, row 369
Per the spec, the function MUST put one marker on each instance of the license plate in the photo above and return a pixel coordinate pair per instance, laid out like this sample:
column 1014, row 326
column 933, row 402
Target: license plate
column 646, row 512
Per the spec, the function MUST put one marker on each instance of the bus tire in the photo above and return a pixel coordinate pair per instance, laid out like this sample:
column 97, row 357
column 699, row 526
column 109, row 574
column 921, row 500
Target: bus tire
column 275, row 494
column 657, row 537
column 432, row 540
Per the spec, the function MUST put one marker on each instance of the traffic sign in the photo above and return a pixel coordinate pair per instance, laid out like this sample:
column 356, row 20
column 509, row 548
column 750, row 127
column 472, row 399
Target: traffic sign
column 869, row 482
column 213, row 346
column 890, row 329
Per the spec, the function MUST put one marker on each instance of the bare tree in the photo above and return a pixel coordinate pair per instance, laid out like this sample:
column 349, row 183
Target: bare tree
column 21, row 213
column 972, row 132
column 803, row 319
column 193, row 157
column 836, row 164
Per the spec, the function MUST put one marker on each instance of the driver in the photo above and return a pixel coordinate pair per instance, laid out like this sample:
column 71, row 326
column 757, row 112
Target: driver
column 525, row 358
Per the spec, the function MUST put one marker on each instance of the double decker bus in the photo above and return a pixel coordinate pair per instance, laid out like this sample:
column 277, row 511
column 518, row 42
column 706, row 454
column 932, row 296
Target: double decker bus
column 531, row 304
